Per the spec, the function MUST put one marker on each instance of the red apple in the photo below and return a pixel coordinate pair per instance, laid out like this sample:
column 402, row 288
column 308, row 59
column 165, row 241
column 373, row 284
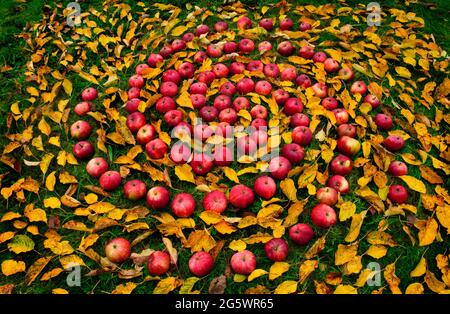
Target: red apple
column 358, row 87
column 186, row 70
column 220, row 70
column 293, row 152
column 302, row 135
column 244, row 23
column 246, row 146
column 346, row 130
column 255, row 66
column 306, row 52
column 330, row 103
column 214, row 51
column 134, row 92
column 201, row 264
column 178, row 45
column 301, row 234
column 276, row 249
column 134, row 190
column 259, row 123
column 263, row 88
column 140, row 68
column 237, row 68
column 173, row 117
column 166, row 51
column 228, row 115
column 320, row 89
column 341, row 116
column 200, row 56
column 135, row 121
column 267, row 24
column 202, row 132
column 209, row 113
column 372, row 100
column 299, row 119
column 110, row 180
column 271, row 70
column 265, row 187
column 346, row 74
column 206, row 77
column 118, row 250
column 398, row 194
column 398, row 168
column 279, row 167
column 243, row 262
column 327, row 195
column 158, row 197
column 132, row 105
column 169, row 89
column 83, row 108
column 348, row 146
column 264, row 46
column 180, row 153
column 323, row 216
column 83, row 150
column 145, row 134
column 222, row 102
column 89, row 94
column 183, row 205
column 383, row 122
column 339, row 183
column 154, row 59
column 202, row 29
column 241, row 103
column 80, row 130
column 220, row 26
column 223, row 156
column 171, row 76
column 246, row 45
column 331, row 65
column 202, row 164
column 187, row 37
column 228, row 89
column 136, row 81
column 341, row 165
column 158, row 263
column 215, row 201
column 303, row 80
column 165, row 104
column 198, row 101
column 156, row 149
column 288, row 74
column 241, row 196
column 319, row 57
column 229, row 47
column 286, row 24
column 245, row 85
column 293, row 105
column 280, row 96
column 96, row 167
column 285, row 48
column 304, row 26
column 394, row 143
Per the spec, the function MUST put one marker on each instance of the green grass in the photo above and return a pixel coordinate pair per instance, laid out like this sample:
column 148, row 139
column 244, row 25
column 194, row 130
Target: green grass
column 15, row 52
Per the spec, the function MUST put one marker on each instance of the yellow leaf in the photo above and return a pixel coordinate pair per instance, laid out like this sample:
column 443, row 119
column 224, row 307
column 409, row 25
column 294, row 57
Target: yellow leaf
column 256, row 273
column 179, row 30
column 427, row 231
column 306, row 268
column 35, row 214
column 237, row 245
column 346, row 210
column 278, row 269
column 69, row 261
column 289, row 189
column 21, row 243
column 355, row 226
column 420, row 269
column 415, row 288
column 380, row 237
column 293, row 212
column 44, row 127
column 210, row 217
column 91, row 198
column 345, row 289
column 57, row 247
column 345, row 253
column 230, row 174
column 414, row 184
column 433, row 283
column 52, row 202
column 188, row 285
column 67, row 85
column 11, row 267
column 88, row 241
column 443, row 215
column 403, row 72
column 376, row 251
column 32, row 91
column 59, row 291
column 46, row 160
column 366, row 149
column 316, row 248
column 166, row 285
column 50, row 181
column 126, row 288
column 200, row 240
column 36, row 269
column 392, row 279
column 51, row 274
column 184, row 173
column 286, row 287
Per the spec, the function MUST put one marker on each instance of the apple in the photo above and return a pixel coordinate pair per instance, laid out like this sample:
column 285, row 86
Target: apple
column 263, row 88
column 241, row 103
column 265, row 187
column 397, row 194
column 134, row 190
column 140, row 68
column 267, row 24
column 186, row 70
column 341, row 116
column 285, row 48
column 110, row 180
column 228, row 89
column 202, row 132
column 156, row 149
column 83, row 108
column 183, row 205
column 198, row 101
column 241, row 196
column 341, row 165
column 246, row 45
column 182, row 130
column 220, row 70
column 299, row 119
column 180, row 153
column 276, row 249
column 320, row 89
column 245, row 86
column 223, row 156
column 255, row 65
column 329, row 103
column 264, row 46
column 229, row 47
column 202, row 164
column 372, row 100
column 306, row 52
column 398, row 168
column 237, row 68
column 346, row 130
column 331, row 65
column 135, row 121
column 279, row 167
column 134, row 92
column 304, row 26
column 132, row 105
column 158, row 263
column 346, row 74
column 166, row 51
column 187, row 37
column 383, row 122
column 302, row 135
column 288, row 74
column 339, row 183
column 301, row 233
column 293, row 152
column 260, row 137
column 244, row 23
column 206, row 77
column 83, row 150
column 246, row 146
column 80, row 130
column 271, row 70
column 222, row 102
column 169, row 89
column 154, row 59
column 214, row 51
column 303, row 80
column 259, row 123
column 178, row 45
column 198, row 88
column 136, row 81
column 89, row 94
column 202, row 29
column 228, row 115
column 118, row 250
column 201, row 264
column 358, row 87
column 208, row 113
column 96, row 167
column 280, row 96
column 165, row 104
column 173, row 117
column 145, row 134
column 215, row 201
column 327, row 195
column 200, row 56
column 319, row 57
column 348, row 145
column 394, row 143
column 220, row 26
column 171, row 76
column 243, row 262
column 293, row 105
column 323, row 216
column 158, row 197
column 286, row 24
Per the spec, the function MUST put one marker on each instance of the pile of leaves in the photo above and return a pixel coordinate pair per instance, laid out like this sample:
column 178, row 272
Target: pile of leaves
column 54, row 215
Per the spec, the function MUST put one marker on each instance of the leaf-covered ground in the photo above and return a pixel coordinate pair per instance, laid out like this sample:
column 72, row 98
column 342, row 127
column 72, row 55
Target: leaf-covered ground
column 53, row 214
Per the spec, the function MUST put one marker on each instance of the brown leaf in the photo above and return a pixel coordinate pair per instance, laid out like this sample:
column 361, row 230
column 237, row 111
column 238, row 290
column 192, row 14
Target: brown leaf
column 218, row 285
column 36, row 269
column 429, row 175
